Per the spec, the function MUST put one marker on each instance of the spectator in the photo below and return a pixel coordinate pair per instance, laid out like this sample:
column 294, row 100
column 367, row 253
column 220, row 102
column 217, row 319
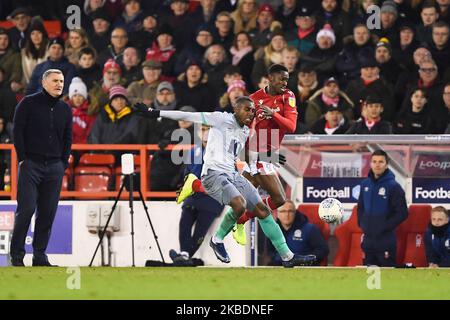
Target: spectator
column 242, row 53
column 7, row 98
column 192, row 90
column 360, row 45
column 245, row 16
column 329, row 96
column 330, row 13
column 10, row 61
column 265, row 24
column 415, row 119
column 205, row 13
column 215, row 64
column 223, row 32
column 195, row 51
column 444, row 12
column 289, row 58
column 429, row 15
column 91, row 6
column 286, row 14
column 360, row 11
column 270, row 54
column 235, row 90
column 35, row 49
column 76, row 41
column 21, row 18
column 100, row 92
column 303, row 37
column 99, row 35
column 131, row 17
column 302, row 237
column 116, row 124
column 371, row 122
column 332, row 122
column 145, row 90
column 307, row 85
column 437, row 238
column 324, row 54
column 446, row 99
column 406, row 12
column 370, row 82
column 79, row 103
column 180, row 22
column 381, row 209
column 88, row 69
column 147, row 33
column 389, row 69
column 164, row 51
column 440, row 46
column 199, row 209
column 388, row 19
column 56, row 60
column 130, row 70
column 119, row 41
column 403, row 54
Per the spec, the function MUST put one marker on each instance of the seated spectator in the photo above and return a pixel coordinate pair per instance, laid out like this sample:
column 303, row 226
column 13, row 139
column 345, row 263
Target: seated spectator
column 119, row 41
column 286, row 14
column 215, row 64
column 99, row 33
column 131, row 70
column 99, row 93
column 78, row 101
column 388, row 22
column 181, row 23
column 223, row 32
column 76, row 41
column 429, row 15
column 242, row 53
column 331, row 13
column 131, row 17
column 88, row 69
column 192, row 89
column 289, row 59
column 8, row 100
column 235, row 90
column 371, row 121
column 324, row 54
column 440, row 45
column 205, row 13
column 265, row 24
column 370, row 82
column 332, row 122
column 403, row 54
column 116, row 123
column 329, row 96
column 245, row 16
column 10, row 61
column 304, row 36
column 164, row 51
column 389, row 69
column 145, row 90
column 199, row 209
column 147, row 33
column 415, row 119
column 56, row 60
column 35, row 49
column 302, row 237
column 437, row 238
column 21, row 18
column 268, row 55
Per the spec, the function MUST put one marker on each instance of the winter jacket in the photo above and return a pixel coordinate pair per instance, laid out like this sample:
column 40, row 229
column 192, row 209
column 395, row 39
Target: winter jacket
column 360, row 127
column 199, row 97
column 437, row 245
column 11, row 62
column 409, row 122
column 82, row 122
column 319, row 127
column 381, row 208
column 303, row 238
column 166, row 56
column 138, row 91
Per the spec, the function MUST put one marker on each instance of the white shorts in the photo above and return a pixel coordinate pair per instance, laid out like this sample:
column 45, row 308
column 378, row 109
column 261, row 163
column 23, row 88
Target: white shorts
column 259, row 167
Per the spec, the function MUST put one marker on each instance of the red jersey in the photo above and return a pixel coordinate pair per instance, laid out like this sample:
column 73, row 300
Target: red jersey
column 270, row 131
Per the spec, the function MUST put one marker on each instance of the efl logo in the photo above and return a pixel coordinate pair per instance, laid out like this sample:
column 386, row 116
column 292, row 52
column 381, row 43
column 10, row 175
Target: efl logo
column 439, row 193
column 443, row 165
column 6, row 220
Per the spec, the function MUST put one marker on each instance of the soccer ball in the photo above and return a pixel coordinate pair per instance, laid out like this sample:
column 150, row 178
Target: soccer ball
column 331, row 210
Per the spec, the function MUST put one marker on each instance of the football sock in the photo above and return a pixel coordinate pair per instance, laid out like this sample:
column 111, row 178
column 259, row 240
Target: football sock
column 227, row 224
column 272, row 230
column 268, row 202
column 245, row 217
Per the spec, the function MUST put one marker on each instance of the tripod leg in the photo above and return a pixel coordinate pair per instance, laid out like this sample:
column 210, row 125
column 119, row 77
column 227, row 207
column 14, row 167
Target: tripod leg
column 132, row 217
column 107, row 223
column 151, row 225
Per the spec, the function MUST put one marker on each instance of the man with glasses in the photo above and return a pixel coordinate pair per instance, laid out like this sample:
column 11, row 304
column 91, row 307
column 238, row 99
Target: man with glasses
column 21, row 19
column 119, row 41
column 223, row 31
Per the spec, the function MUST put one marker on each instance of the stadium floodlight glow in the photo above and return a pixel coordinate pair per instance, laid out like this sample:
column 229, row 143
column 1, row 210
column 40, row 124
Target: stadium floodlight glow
column 127, row 162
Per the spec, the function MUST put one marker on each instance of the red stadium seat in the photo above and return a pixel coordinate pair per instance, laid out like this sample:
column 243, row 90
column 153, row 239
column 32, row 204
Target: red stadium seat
column 53, row 27
column 93, row 159
column 92, row 179
column 311, row 211
column 410, row 236
column 349, row 237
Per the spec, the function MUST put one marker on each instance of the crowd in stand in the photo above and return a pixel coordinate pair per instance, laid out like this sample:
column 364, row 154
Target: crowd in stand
column 347, row 76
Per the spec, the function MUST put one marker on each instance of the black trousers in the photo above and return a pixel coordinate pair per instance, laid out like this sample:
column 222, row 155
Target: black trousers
column 190, row 240
column 38, row 190
column 382, row 259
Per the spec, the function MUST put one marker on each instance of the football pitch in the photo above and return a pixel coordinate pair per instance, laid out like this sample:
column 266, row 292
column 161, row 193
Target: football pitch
column 223, row 283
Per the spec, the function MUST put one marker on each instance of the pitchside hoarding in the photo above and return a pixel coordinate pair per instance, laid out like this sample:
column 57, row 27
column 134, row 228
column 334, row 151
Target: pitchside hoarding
column 345, row 190
column 431, row 190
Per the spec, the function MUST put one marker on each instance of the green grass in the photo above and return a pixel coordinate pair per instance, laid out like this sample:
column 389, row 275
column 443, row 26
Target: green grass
column 223, row 283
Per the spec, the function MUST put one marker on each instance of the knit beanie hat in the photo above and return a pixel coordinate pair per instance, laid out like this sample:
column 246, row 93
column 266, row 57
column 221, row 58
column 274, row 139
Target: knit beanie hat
column 117, row 91
column 327, row 31
column 389, row 6
column 111, row 64
column 236, row 84
column 77, row 86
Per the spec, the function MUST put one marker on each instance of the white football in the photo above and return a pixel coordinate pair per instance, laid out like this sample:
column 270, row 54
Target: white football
column 331, row 210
